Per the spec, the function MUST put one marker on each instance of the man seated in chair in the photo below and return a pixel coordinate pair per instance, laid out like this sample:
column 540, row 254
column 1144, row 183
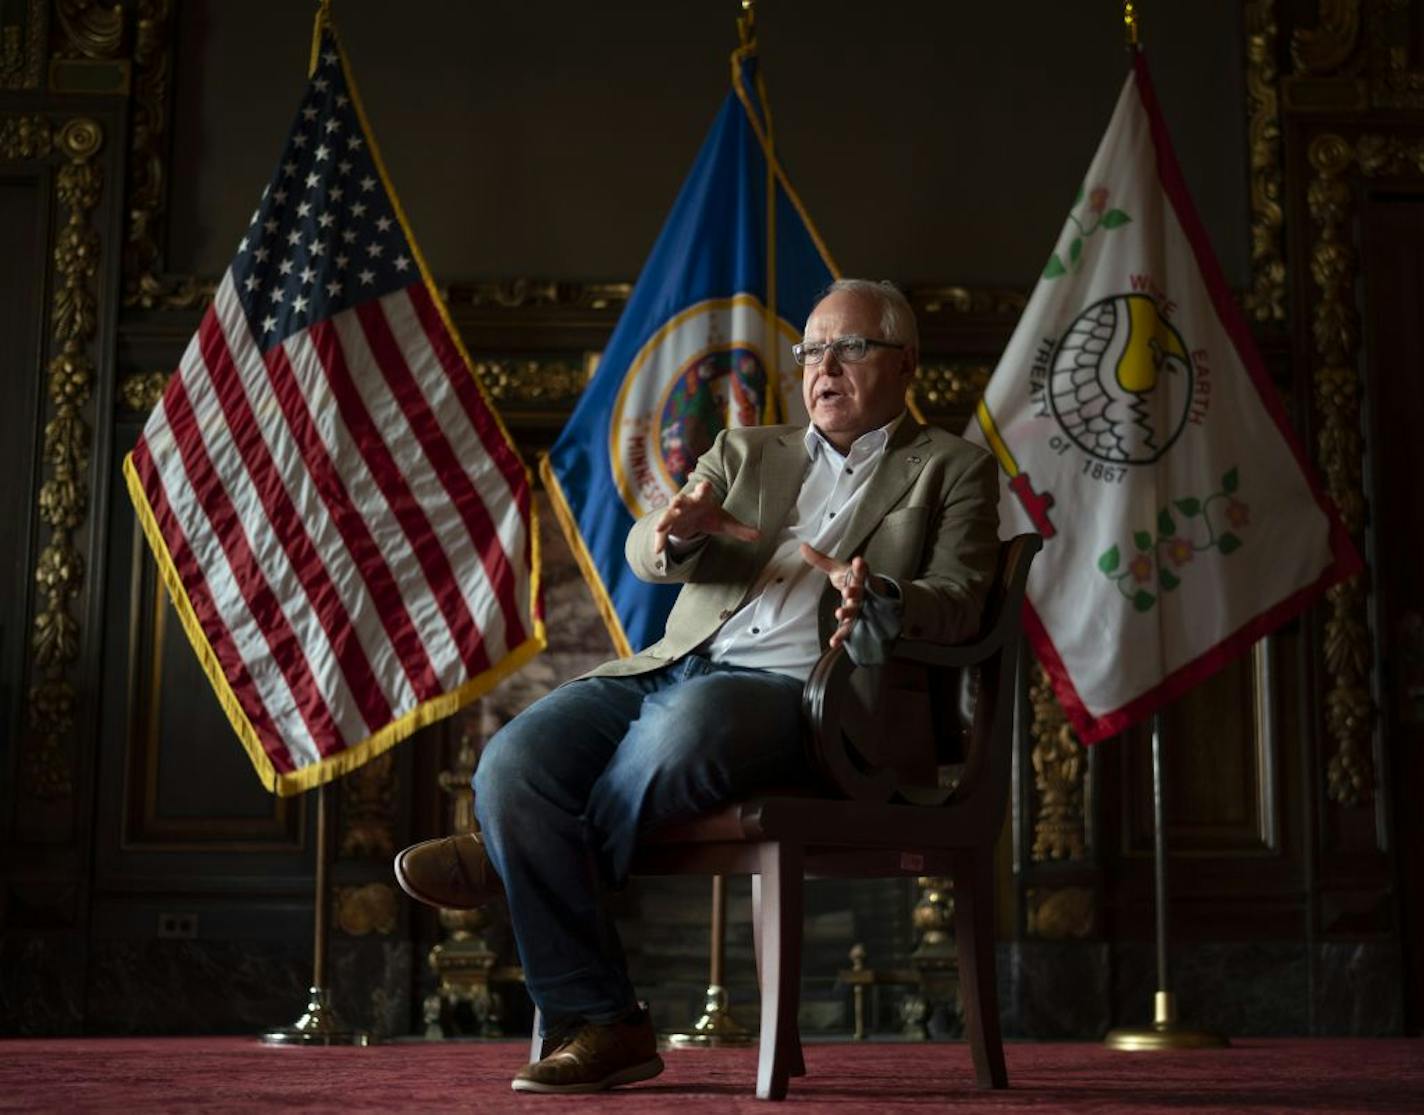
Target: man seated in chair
column 787, row 540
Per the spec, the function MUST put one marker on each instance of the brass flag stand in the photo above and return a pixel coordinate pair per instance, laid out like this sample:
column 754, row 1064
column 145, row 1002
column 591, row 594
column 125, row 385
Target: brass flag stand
column 320, row 1025
column 1165, row 1032
column 716, row 1028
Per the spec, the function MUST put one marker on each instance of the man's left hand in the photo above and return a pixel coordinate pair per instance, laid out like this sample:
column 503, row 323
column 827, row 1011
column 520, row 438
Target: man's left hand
column 847, row 577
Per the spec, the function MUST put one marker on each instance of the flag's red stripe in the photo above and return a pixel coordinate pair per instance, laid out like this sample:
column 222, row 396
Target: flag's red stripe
column 461, row 490
column 462, row 380
column 282, row 641
column 380, row 582
column 200, row 597
column 322, row 594
column 403, row 504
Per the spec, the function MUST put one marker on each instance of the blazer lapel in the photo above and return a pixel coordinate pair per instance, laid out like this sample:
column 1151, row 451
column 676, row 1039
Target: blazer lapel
column 782, row 470
column 905, row 456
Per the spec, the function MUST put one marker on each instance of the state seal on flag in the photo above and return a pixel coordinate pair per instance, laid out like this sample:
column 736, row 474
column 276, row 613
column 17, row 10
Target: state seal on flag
column 1121, row 381
column 708, row 369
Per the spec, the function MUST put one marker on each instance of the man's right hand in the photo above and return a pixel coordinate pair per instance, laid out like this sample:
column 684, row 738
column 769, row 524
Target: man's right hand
column 694, row 513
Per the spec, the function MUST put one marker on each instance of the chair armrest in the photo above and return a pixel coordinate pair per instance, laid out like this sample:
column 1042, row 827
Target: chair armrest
column 826, row 699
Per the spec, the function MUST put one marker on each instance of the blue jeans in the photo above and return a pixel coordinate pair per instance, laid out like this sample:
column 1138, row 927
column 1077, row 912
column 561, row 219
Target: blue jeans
column 563, row 791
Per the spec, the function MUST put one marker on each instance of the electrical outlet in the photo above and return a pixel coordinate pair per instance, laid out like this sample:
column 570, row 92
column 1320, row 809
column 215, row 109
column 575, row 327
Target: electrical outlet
column 177, row 926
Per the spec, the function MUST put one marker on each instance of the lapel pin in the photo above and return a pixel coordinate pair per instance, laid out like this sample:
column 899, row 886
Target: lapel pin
column 914, row 460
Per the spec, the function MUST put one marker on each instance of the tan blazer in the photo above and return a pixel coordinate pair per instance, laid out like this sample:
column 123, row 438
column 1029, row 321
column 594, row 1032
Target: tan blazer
column 928, row 518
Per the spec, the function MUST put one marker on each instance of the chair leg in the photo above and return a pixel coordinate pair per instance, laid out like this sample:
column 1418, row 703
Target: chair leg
column 780, row 913
column 974, row 937
column 798, row 1061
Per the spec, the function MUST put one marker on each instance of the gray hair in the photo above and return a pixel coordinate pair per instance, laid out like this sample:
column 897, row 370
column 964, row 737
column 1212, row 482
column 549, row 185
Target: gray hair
column 897, row 317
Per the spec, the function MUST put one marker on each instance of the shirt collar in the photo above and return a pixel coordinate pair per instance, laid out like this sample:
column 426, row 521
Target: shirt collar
column 868, row 444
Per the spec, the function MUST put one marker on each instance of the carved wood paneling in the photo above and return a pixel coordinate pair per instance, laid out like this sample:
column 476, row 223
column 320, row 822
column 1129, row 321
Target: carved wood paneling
column 22, row 44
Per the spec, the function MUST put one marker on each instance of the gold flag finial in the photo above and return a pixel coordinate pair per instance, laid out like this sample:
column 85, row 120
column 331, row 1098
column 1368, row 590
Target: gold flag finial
column 1129, row 23
column 323, row 17
column 746, row 23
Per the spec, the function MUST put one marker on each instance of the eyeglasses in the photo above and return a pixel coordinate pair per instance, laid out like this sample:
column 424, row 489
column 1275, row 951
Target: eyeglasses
column 850, row 349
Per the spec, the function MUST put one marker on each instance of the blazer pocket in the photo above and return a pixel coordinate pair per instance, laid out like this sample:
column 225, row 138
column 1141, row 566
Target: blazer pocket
column 894, row 548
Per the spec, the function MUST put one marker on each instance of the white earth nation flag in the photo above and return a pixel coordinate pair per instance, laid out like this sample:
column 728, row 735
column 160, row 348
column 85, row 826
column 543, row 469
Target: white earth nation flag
column 1140, row 435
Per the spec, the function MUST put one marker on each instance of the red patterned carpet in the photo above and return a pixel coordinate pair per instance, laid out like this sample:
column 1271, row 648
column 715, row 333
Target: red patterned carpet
column 239, row 1075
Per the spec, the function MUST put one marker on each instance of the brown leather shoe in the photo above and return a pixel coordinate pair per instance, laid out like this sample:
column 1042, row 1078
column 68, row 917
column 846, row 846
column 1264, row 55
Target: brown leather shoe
column 453, row 872
column 596, row 1057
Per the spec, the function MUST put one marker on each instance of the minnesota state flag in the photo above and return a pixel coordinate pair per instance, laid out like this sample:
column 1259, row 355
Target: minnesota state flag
column 1139, row 433
column 704, row 344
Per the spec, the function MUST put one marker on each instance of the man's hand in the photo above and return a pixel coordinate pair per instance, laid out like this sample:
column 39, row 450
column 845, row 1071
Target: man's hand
column 695, row 513
column 850, row 579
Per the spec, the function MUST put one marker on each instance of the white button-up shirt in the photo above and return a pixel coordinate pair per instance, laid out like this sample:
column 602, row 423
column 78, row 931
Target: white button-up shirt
column 776, row 629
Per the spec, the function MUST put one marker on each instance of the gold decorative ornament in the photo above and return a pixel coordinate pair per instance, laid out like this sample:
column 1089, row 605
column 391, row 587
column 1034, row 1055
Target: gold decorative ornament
column 967, row 300
column 950, row 386
column 22, row 45
column 532, row 381
column 25, row 137
column 368, row 810
column 63, row 497
column 140, row 391
column 1393, row 84
column 89, row 29
column 1059, row 766
column 364, row 910
column 152, row 89
column 1325, row 48
column 1335, row 331
column 522, row 293
column 1266, row 300
column 1061, row 913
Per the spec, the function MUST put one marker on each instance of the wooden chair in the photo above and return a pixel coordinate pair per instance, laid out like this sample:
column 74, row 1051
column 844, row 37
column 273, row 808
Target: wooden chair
column 879, row 737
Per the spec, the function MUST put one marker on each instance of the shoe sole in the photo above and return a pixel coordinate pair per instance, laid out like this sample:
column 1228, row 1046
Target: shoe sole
column 414, row 892
column 631, row 1075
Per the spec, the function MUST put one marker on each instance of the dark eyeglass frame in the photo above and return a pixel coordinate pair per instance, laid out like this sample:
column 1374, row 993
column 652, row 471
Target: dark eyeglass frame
column 850, row 349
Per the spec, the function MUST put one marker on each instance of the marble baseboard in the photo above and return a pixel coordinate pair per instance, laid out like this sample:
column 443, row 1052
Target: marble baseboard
column 42, row 988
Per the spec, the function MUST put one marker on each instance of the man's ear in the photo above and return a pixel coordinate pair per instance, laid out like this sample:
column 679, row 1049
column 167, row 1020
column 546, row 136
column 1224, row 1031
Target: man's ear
column 910, row 361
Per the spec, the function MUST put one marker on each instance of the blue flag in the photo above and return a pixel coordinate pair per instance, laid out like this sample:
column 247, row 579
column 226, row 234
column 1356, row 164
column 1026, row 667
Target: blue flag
column 704, row 344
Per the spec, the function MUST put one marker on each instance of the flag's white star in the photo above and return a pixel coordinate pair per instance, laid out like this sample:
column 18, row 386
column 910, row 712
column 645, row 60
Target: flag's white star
column 308, row 275
column 321, row 85
column 343, row 167
column 359, row 209
column 269, row 323
column 276, row 295
column 317, row 247
column 353, row 142
column 366, row 277
column 341, row 261
column 329, row 57
column 349, row 236
column 309, row 113
column 324, row 219
column 402, row 262
column 279, row 196
column 304, row 209
column 286, row 266
column 368, row 183
column 299, row 304
column 333, row 125
column 313, row 180
column 270, row 224
column 261, row 254
column 289, row 169
column 294, row 237
column 336, row 193
column 252, row 284
column 333, row 288
column 383, row 223
column 299, row 140
column 373, row 250
column 322, row 152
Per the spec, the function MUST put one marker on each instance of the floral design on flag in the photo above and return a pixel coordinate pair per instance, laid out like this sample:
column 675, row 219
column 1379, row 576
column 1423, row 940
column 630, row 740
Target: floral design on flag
column 1206, row 524
column 1096, row 215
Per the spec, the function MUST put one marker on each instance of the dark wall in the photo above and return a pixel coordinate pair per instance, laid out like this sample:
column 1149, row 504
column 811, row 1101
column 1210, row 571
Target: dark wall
column 930, row 141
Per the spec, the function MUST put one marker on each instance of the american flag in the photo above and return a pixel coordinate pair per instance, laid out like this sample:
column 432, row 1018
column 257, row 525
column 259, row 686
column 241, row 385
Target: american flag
column 341, row 519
